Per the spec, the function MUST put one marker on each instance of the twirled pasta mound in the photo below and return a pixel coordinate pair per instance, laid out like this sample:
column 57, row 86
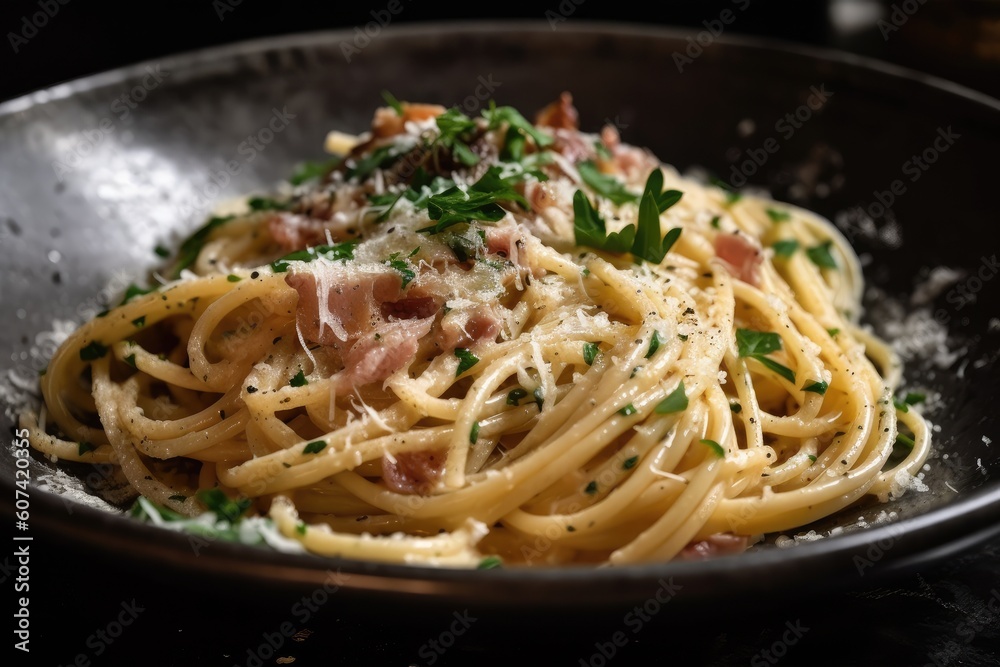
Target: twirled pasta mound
column 474, row 340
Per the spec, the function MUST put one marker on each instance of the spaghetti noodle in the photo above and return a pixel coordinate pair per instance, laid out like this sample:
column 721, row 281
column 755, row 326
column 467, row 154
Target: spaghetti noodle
column 490, row 338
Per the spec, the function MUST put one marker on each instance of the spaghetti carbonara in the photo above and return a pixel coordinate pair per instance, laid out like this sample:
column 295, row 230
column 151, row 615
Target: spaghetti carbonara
column 474, row 340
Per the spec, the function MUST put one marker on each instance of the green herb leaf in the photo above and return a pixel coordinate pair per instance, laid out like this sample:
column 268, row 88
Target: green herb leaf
column 914, row 397
column 299, row 380
column 778, row 215
column 900, row 405
column 267, row 204
column 314, row 447
column 648, row 245
column 474, row 433
column 84, row 447
column 654, row 344
column 466, row 360
column 402, row 267
column 139, row 322
column 300, row 528
column 515, row 395
column 495, row 116
column 590, row 352
column 312, row 171
column 628, row 410
column 92, row 351
column 130, row 360
column 479, row 202
column 225, row 508
column 816, row 387
column 664, row 198
column 715, row 447
column 178, row 498
column 676, row 401
column 192, row 246
column 490, row 563
column 833, row 332
column 589, row 228
column 340, row 252
column 785, row 247
column 605, row 185
column 133, row 291
column 161, row 251
column 821, row 255
column 591, row 488
column 751, row 342
column 630, row 462
column 391, row 100
column 233, row 278
column 756, row 344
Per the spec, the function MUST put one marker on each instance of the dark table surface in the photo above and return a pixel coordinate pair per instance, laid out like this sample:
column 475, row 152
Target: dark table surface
column 87, row 611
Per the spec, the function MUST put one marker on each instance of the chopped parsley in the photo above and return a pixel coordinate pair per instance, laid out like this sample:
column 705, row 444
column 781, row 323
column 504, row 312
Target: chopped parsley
column 233, row 278
column 490, row 563
column 833, row 332
column 178, row 498
column 466, row 360
column 605, row 185
column 267, row 204
column 139, row 322
column 591, row 488
column 757, row 344
column 191, row 247
column 130, row 360
column 391, row 100
column 226, row 508
column 340, row 251
column 630, row 462
column 778, row 215
column 715, row 447
column 299, row 380
column 816, row 387
column 495, row 116
column 785, row 247
column 642, row 240
column 300, row 528
column 478, row 202
column 474, row 433
column 314, row 447
column 312, row 171
column 161, row 251
column 133, row 291
column 654, row 344
column 94, row 350
column 402, row 267
column 84, row 447
column 628, row 410
column 821, row 255
column 366, row 165
column 676, row 401
column 515, row 395
column 590, row 352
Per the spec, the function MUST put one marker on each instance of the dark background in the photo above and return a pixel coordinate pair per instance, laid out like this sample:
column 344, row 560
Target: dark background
column 958, row 39
column 942, row 616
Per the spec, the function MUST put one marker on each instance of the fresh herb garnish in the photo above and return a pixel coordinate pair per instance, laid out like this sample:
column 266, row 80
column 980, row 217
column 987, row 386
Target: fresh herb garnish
column 133, row 291
column 785, row 247
column 605, row 185
column 341, row 251
column 314, row 447
column 630, row 462
column 402, row 267
column 914, row 397
column 94, row 350
column 299, row 379
column 715, row 447
column 312, row 171
column 816, row 387
column 474, row 433
column 757, row 344
column 366, row 165
column 654, row 344
column 84, row 447
column 479, row 202
column 591, row 488
column 266, row 204
column 453, row 127
column 225, row 508
column 391, row 100
column 821, row 255
column 778, row 215
column 628, row 410
column 192, row 246
column 466, row 360
column 490, row 563
column 515, row 395
column 233, row 278
column 676, row 401
column 495, row 116
column 139, row 322
column 590, row 352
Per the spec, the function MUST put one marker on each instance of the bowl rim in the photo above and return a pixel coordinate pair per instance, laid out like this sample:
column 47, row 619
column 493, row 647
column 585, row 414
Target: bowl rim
column 931, row 535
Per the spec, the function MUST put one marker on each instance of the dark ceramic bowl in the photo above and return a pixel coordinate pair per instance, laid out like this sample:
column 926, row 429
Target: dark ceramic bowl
column 99, row 171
